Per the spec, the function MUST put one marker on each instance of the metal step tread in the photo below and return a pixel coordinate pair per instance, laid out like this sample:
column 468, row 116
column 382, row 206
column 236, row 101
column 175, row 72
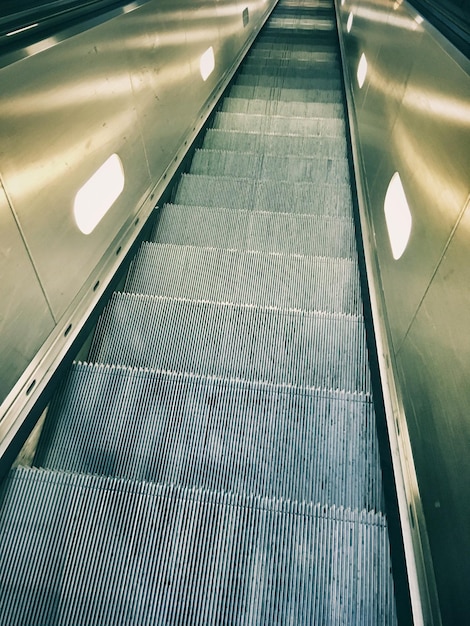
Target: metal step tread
column 256, row 230
column 261, row 166
column 109, row 551
column 279, row 125
column 281, row 107
column 260, row 92
column 221, row 435
column 301, row 40
column 277, row 145
column 245, row 277
column 246, row 342
column 288, row 82
column 303, row 70
column 260, row 53
column 270, row 195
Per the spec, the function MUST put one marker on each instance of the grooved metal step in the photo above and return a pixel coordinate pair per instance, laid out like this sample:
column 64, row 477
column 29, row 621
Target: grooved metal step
column 281, row 107
column 260, row 92
column 269, row 167
column 220, row 435
column 274, row 196
column 278, row 125
column 305, row 70
column 270, row 55
column 277, row 145
column 289, row 82
column 283, row 281
column 320, row 350
column 252, row 230
column 312, row 41
column 109, row 551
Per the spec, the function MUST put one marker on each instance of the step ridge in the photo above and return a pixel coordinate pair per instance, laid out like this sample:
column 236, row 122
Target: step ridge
column 276, row 116
column 265, row 167
column 275, row 145
column 313, row 235
column 248, row 252
column 287, row 157
column 309, row 216
column 279, row 125
column 353, row 317
column 106, row 483
column 265, row 107
column 271, row 195
column 257, row 278
column 235, row 341
column 350, row 396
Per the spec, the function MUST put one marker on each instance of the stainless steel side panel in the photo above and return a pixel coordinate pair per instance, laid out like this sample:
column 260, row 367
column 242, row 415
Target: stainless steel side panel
column 131, row 85
column 70, row 111
column 25, row 318
column 412, row 116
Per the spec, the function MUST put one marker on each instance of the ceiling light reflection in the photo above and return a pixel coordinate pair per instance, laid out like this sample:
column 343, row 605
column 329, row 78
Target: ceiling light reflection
column 21, row 30
column 98, row 194
column 362, row 70
column 207, row 63
column 397, row 216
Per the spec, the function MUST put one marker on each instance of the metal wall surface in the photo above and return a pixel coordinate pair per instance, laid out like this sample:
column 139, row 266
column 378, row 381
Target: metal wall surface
column 130, row 86
column 412, row 116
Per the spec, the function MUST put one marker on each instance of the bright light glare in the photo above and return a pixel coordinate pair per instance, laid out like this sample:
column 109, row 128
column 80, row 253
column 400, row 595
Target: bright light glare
column 21, row 30
column 397, row 216
column 349, row 22
column 362, row 70
column 98, row 194
column 207, row 63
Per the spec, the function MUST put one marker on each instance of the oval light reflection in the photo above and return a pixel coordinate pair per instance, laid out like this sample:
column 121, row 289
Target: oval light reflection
column 397, row 216
column 98, row 194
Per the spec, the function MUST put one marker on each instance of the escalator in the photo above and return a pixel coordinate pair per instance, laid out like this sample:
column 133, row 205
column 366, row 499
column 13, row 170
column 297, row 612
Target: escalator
column 216, row 459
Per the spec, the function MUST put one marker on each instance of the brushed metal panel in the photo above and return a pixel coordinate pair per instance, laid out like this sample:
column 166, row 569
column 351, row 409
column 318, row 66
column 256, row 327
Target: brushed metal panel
column 69, row 112
column 25, row 318
column 431, row 151
column 434, row 364
column 413, row 117
column 159, row 68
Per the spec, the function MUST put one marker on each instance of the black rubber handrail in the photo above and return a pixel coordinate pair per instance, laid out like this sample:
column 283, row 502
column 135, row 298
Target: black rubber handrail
column 25, row 23
column 451, row 18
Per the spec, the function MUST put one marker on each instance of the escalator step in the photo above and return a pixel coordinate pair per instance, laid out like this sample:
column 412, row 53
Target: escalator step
column 274, row 196
column 215, row 434
column 293, row 94
column 320, row 350
column 269, row 167
column 279, row 125
column 109, row 551
column 258, row 54
column 299, row 70
column 325, row 41
column 289, row 82
column 241, row 277
column 271, row 55
column 281, row 107
column 252, row 230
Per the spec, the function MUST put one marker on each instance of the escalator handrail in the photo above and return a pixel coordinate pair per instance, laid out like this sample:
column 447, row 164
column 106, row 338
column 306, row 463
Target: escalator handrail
column 453, row 23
